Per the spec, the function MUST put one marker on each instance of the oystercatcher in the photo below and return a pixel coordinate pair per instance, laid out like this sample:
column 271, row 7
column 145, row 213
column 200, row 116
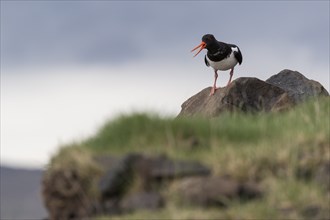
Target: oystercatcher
column 220, row 56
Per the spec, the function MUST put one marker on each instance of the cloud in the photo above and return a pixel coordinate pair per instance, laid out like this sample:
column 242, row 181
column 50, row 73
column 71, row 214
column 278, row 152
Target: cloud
column 67, row 66
column 114, row 32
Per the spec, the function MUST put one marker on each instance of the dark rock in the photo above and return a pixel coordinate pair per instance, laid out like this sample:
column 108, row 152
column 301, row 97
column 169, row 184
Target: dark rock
column 215, row 191
column 142, row 200
column 117, row 178
column 156, row 170
column 244, row 94
column 322, row 175
column 313, row 211
column 247, row 94
column 298, row 87
column 249, row 190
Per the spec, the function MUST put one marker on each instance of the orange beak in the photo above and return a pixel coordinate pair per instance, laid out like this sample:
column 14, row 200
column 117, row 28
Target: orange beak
column 201, row 46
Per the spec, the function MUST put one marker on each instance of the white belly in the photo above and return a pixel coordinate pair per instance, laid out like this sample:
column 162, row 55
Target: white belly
column 225, row 64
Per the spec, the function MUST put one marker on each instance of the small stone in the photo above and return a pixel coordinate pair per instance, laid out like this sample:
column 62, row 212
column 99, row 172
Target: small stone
column 215, row 191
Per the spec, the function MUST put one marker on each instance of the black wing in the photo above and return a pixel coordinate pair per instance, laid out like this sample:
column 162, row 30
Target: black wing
column 206, row 62
column 237, row 54
column 220, row 51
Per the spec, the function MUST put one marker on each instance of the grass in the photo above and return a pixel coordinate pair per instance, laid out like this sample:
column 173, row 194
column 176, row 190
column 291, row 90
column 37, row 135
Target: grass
column 282, row 151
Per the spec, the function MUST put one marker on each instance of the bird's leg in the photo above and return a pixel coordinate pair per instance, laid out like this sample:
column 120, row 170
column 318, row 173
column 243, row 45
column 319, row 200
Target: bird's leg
column 231, row 75
column 215, row 83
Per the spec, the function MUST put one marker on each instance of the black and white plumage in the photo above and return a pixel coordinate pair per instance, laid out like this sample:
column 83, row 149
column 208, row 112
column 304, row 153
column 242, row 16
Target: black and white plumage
column 220, row 56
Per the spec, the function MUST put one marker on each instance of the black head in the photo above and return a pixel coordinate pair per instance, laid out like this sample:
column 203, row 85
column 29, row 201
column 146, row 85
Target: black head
column 208, row 42
column 208, row 39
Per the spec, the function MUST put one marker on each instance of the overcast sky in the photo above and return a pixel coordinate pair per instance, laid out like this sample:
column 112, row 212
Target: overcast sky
column 66, row 67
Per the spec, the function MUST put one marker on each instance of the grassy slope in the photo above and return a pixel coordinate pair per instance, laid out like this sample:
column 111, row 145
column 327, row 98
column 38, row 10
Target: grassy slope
column 269, row 148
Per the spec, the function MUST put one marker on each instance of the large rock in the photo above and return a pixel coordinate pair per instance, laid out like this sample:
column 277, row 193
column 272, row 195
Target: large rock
column 298, row 87
column 248, row 94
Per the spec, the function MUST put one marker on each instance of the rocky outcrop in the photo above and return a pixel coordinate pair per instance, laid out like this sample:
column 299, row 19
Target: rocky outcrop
column 135, row 182
column 247, row 94
column 147, row 176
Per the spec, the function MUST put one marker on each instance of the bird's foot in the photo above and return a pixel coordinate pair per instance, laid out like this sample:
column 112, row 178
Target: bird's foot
column 229, row 82
column 213, row 90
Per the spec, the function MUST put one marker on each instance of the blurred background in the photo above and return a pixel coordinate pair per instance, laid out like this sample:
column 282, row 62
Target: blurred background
column 68, row 66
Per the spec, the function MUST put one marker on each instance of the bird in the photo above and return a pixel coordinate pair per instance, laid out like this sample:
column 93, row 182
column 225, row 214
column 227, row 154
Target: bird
column 220, row 56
